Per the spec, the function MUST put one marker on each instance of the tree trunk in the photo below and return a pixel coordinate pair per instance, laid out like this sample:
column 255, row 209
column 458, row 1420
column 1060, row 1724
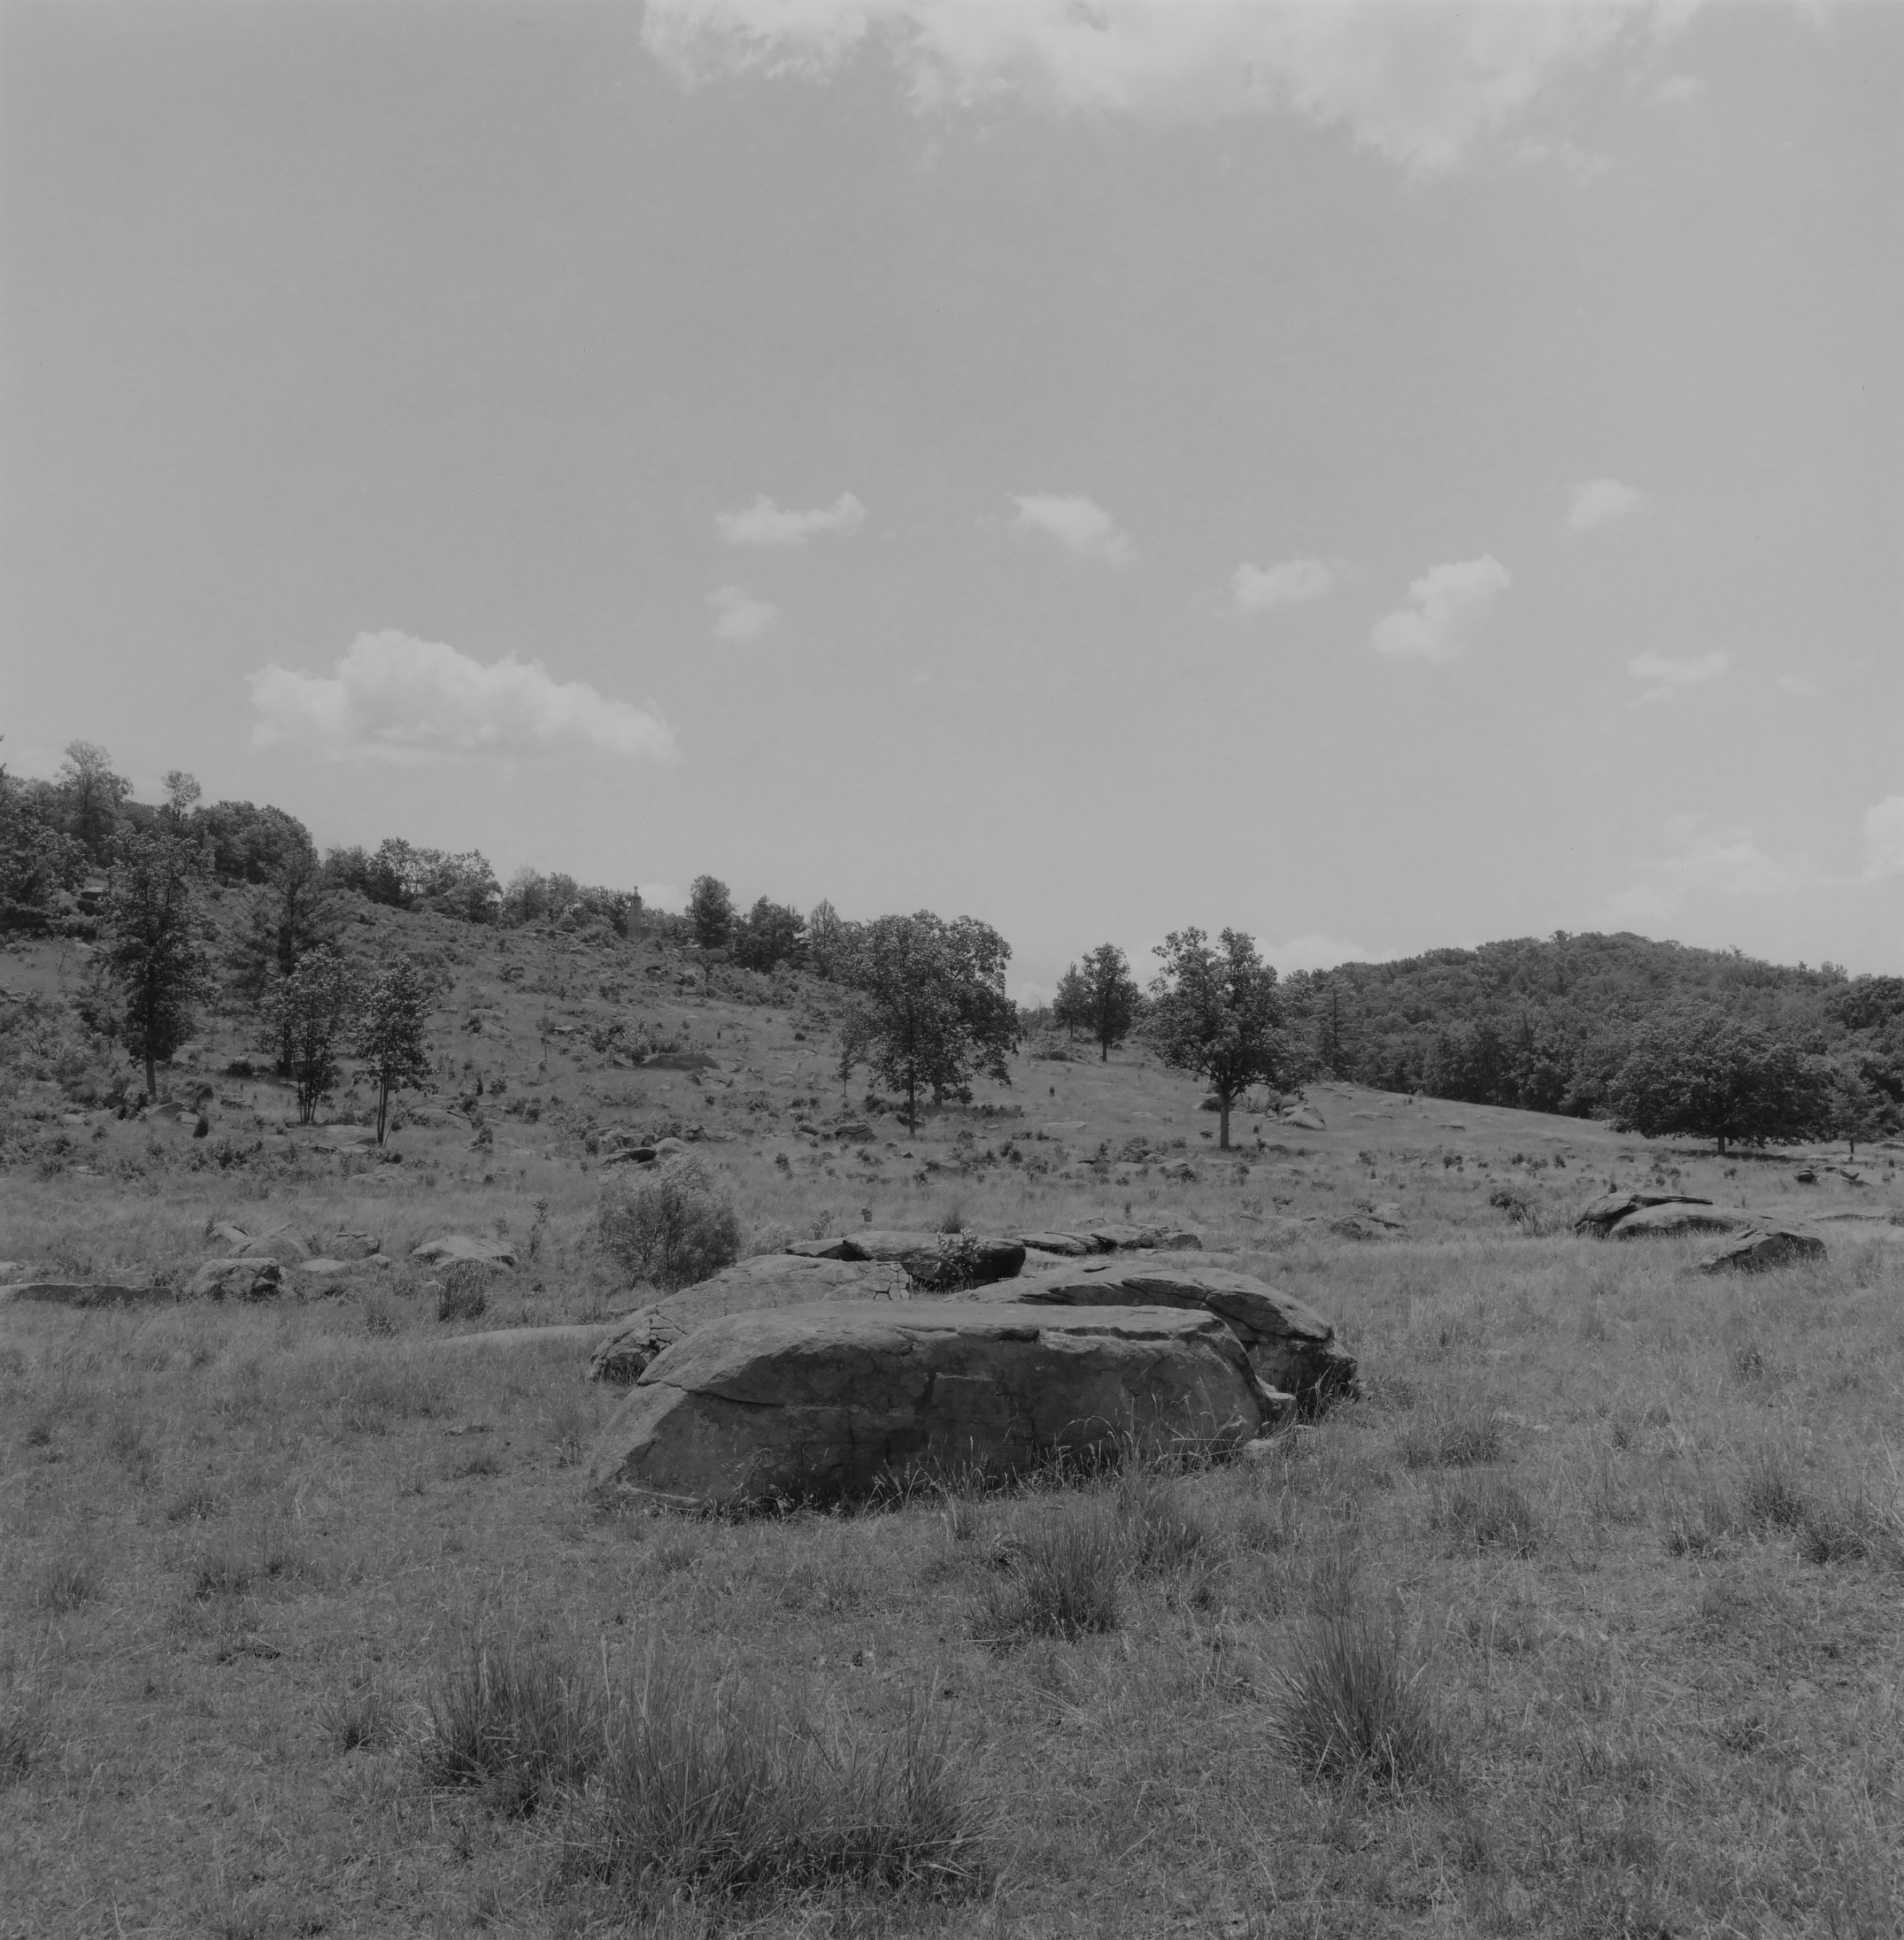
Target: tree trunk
column 1104, row 1050
column 1222, row 1136
column 151, row 1078
column 911, row 1105
column 1722, row 1145
column 383, row 1110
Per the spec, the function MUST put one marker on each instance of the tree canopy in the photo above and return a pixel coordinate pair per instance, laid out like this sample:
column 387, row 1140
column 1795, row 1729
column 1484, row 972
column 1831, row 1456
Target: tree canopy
column 154, row 954
column 709, row 911
column 1215, row 1010
column 393, row 1034
column 934, row 1003
column 1702, row 1074
column 1100, row 997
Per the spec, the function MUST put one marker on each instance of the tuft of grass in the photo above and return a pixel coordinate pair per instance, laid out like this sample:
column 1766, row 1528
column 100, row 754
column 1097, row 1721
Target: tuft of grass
column 1491, row 1513
column 68, row 1583
column 24, row 1733
column 1460, row 1435
column 1852, row 1527
column 509, row 1715
column 1772, row 1497
column 732, row 1786
column 1164, row 1529
column 1351, row 1706
column 360, row 1718
column 464, row 1295
column 1064, row 1578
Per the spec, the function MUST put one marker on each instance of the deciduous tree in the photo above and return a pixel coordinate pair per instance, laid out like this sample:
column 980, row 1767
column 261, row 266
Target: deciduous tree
column 709, row 911
column 310, row 1012
column 93, row 793
column 1701, row 1073
column 935, row 1005
column 154, row 952
column 1215, row 1010
column 393, row 1035
column 1100, row 997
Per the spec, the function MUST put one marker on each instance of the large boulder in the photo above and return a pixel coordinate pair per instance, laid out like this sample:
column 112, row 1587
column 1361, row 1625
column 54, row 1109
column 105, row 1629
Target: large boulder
column 283, row 1246
column 1760, row 1248
column 767, row 1281
column 824, row 1401
column 939, row 1261
column 1290, row 1346
column 1675, row 1219
column 1602, row 1216
column 240, row 1279
column 351, row 1246
column 454, row 1246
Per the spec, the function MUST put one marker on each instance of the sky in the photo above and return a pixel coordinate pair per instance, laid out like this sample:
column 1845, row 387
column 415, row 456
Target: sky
column 1380, row 477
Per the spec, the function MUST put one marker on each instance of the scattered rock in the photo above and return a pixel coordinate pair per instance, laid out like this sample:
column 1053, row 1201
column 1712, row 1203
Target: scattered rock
column 486, row 1252
column 1677, row 1217
column 1805, row 1176
column 823, row 1401
column 750, row 1286
column 1760, row 1247
column 350, row 1245
column 1604, row 1214
column 1070, row 1245
column 1290, row 1346
column 1360, row 1226
column 1305, row 1118
column 90, row 1293
column 854, row 1131
column 239, row 1279
column 630, row 1155
column 325, row 1269
column 228, row 1235
column 680, row 1061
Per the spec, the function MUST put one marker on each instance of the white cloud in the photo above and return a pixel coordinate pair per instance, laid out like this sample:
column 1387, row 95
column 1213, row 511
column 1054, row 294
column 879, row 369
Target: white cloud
column 1703, row 861
column 1080, row 524
column 1451, row 603
column 398, row 697
column 1421, row 82
column 765, row 523
column 738, row 615
column 1258, row 589
column 1884, row 839
column 1670, row 676
column 1315, row 952
column 1600, row 502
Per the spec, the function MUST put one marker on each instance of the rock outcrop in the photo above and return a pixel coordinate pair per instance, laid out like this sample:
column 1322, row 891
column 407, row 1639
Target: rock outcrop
column 1290, row 1346
column 283, row 1246
column 1675, row 1219
column 1599, row 1217
column 1109, row 1236
column 937, row 1261
column 240, row 1279
column 824, row 1401
column 1760, row 1248
column 767, row 1281
column 454, row 1246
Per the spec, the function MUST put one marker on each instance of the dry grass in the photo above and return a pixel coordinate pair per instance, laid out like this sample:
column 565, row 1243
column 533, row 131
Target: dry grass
column 1583, row 1623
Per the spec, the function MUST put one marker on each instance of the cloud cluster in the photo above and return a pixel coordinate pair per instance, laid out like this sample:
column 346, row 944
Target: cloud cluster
column 765, row 523
column 1261, row 589
column 1600, row 502
column 1884, row 839
column 397, row 697
column 738, row 615
column 1450, row 605
column 1705, row 861
column 1670, row 676
column 1422, row 83
column 1078, row 524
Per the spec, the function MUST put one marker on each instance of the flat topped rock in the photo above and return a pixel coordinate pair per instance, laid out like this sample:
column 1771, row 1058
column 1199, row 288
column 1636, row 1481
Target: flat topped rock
column 1760, row 1248
column 237, row 1279
column 767, row 1281
column 1290, row 1344
column 825, row 1400
column 935, row 1261
column 1602, row 1216
column 1675, row 1217
column 454, row 1246
column 1109, row 1236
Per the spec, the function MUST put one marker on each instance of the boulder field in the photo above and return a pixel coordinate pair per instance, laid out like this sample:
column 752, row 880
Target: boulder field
column 825, row 1401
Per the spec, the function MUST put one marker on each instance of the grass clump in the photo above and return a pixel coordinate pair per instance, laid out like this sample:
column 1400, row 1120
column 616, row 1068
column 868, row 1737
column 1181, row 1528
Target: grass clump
column 68, row 1583
column 1351, row 1706
column 509, row 1715
column 1064, row 1577
column 1491, row 1513
column 357, row 1719
column 1463, row 1435
column 729, row 1786
column 673, row 1229
column 464, row 1295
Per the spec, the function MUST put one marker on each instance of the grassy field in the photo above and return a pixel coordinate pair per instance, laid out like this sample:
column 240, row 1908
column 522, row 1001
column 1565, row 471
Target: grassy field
column 1584, row 1620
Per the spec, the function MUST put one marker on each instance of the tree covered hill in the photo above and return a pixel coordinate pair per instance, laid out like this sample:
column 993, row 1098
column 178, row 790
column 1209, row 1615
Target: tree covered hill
column 1546, row 1024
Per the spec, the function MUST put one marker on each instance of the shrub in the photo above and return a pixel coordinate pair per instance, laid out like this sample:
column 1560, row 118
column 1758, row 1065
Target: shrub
column 672, row 1228
column 731, row 1786
column 1351, row 1706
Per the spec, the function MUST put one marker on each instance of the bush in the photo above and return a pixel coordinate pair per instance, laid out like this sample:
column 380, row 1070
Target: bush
column 672, row 1228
